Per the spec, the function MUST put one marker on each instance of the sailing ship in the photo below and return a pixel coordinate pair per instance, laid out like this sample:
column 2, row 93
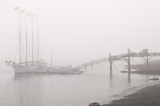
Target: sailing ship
column 25, row 66
column 38, row 65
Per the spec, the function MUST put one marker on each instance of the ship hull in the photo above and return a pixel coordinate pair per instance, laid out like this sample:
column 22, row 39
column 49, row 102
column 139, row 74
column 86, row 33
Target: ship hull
column 24, row 69
column 65, row 71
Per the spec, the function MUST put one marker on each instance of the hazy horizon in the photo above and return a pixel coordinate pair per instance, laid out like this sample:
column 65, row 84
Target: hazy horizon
column 80, row 31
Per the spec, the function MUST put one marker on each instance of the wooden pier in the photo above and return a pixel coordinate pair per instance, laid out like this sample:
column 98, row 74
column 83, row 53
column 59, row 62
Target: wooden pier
column 144, row 54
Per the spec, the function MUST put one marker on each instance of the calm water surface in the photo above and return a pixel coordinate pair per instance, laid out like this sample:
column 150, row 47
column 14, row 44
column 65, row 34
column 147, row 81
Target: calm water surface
column 66, row 90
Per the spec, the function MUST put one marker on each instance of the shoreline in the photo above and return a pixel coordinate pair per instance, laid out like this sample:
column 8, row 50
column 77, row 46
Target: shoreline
column 147, row 96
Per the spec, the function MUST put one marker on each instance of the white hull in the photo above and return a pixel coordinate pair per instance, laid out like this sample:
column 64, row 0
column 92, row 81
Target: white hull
column 24, row 69
column 59, row 71
column 64, row 71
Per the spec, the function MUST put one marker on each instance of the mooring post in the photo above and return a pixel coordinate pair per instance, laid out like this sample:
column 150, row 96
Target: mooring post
column 147, row 61
column 129, row 66
column 110, row 62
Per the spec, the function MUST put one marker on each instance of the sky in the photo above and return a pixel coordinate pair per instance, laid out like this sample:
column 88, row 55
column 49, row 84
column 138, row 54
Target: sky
column 77, row 31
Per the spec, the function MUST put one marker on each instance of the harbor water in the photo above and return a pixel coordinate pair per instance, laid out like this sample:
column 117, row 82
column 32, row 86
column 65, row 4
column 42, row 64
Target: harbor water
column 68, row 90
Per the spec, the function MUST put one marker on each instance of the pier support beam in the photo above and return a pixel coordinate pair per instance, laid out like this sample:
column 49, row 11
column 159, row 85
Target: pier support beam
column 146, row 59
column 110, row 62
column 129, row 66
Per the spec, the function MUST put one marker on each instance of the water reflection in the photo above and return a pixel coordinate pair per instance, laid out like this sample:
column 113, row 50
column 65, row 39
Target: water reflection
column 129, row 78
column 27, row 76
column 66, row 90
column 111, row 82
column 27, row 90
column 111, row 75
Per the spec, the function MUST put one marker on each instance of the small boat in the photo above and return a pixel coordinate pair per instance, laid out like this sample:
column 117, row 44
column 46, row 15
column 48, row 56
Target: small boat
column 63, row 70
column 124, row 71
column 94, row 104
column 154, row 79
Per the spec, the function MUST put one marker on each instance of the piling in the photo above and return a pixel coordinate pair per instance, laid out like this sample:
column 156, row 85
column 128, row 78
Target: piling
column 110, row 62
column 129, row 66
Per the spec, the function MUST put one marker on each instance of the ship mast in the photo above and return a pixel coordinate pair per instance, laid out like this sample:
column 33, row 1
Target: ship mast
column 20, row 34
column 19, row 31
column 19, row 38
column 37, row 42
column 32, row 38
column 26, row 39
column 33, row 16
column 38, row 49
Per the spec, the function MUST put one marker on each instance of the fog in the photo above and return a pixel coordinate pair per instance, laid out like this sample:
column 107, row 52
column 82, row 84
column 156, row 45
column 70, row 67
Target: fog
column 76, row 31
